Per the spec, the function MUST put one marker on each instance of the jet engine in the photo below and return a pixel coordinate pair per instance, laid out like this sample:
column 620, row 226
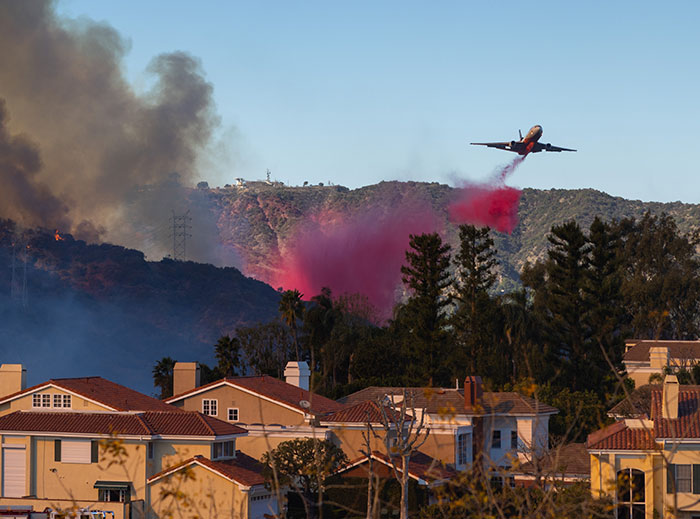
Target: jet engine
column 512, row 144
column 548, row 146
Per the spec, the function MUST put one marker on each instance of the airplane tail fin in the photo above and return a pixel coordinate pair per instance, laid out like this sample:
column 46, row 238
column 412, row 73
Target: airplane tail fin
column 521, row 134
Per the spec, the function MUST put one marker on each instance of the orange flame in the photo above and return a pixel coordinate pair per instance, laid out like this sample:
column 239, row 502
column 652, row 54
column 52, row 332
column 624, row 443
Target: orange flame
column 57, row 236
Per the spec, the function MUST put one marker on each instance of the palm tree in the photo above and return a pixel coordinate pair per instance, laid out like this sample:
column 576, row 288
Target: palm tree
column 163, row 376
column 292, row 309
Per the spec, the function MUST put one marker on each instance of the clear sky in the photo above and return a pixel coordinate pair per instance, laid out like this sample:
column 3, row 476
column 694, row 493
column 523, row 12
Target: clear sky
column 356, row 92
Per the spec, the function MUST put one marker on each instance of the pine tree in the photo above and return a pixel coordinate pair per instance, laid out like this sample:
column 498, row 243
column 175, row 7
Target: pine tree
column 427, row 276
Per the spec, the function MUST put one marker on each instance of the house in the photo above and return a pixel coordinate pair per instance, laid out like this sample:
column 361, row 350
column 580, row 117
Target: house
column 649, row 461
column 467, row 422
column 645, row 358
column 271, row 410
column 89, row 442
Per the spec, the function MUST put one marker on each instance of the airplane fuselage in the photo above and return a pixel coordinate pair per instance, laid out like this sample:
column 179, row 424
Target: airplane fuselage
column 527, row 143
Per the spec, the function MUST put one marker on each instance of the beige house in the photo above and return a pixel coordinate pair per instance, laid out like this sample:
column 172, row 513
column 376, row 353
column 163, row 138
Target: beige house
column 644, row 358
column 271, row 410
column 649, row 462
column 506, row 428
column 91, row 443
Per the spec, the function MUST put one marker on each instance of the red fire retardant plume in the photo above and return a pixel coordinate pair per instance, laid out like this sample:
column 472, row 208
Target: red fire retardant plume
column 493, row 204
column 354, row 254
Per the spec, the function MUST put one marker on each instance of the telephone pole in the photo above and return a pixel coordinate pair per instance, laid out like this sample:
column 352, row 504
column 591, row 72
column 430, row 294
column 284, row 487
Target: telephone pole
column 181, row 228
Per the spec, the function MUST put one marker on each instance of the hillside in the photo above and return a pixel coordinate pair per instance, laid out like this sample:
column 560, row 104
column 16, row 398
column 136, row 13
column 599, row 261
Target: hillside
column 260, row 221
column 82, row 309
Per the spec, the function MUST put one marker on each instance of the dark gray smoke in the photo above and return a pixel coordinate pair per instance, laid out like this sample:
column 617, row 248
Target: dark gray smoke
column 96, row 142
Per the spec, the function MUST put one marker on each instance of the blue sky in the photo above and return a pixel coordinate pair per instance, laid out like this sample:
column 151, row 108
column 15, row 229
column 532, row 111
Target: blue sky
column 363, row 91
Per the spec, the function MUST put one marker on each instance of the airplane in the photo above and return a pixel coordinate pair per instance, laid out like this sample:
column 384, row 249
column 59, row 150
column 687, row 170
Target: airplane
column 527, row 144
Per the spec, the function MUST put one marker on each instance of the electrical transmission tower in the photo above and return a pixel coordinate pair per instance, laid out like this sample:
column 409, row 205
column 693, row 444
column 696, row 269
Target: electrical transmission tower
column 181, row 227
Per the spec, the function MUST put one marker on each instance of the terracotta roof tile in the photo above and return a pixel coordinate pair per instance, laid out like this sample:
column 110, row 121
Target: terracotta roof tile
column 619, row 436
column 274, row 389
column 567, row 460
column 106, row 392
column 243, row 469
column 676, row 349
column 420, row 466
column 166, row 423
column 437, row 400
column 359, row 413
column 688, row 423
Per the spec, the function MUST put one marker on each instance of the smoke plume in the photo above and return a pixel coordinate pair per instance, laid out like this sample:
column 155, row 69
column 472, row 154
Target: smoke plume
column 96, row 141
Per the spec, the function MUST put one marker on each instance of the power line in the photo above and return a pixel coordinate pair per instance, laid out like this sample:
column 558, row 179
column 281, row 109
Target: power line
column 181, row 227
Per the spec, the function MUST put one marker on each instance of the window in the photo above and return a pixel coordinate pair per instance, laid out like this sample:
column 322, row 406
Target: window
column 209, row 407
column 41, row 400
column 225, row 449
column 496, row 440
column 232, row 414
column 76, row 451
column 463, row 447
column 119, row 495
column 683, row 478
column 630, row 494
column 151, row 450
column 67, row 401
column 514, row 440
column 57, row 401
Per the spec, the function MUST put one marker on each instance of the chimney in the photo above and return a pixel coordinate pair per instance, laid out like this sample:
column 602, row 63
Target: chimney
column 473, row 392
column 670, row 398
column 13, row 378
column 297, row 374
column 658, row 357
column 185, row 377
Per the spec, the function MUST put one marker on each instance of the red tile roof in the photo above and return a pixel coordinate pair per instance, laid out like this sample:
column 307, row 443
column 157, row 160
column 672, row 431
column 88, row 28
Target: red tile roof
column 619, row 436
column 359, row 413
column 151, row 423
column 243, row 469
column 566, row 460
column 687, row 425
column 676, row 350
column 446, row 400
column 420, row 466
column 106, row 392
column 273, row 389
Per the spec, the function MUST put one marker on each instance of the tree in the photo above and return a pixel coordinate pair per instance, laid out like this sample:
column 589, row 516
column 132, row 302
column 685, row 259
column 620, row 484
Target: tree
column 227, row 351
column 661, row 285
column 399, row 421
column 163, row 376
column 291, row 310
column 305, row 465
column 426, row 275
column 267, row 347
column 476, row 319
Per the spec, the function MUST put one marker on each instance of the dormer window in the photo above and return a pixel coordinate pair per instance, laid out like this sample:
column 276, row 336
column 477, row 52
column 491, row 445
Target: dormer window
column 223, row 450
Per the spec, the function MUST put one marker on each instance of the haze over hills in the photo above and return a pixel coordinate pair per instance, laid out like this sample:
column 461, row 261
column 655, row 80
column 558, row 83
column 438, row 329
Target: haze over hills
column 80, row 310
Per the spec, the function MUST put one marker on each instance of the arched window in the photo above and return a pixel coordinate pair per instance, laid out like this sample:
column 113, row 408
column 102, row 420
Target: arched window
column 630, row 494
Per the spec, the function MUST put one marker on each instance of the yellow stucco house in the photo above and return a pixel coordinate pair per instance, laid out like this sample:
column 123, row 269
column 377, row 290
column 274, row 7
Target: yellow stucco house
column 92, row 443
column 271, row 410
column 649, row 462
column 644, row 358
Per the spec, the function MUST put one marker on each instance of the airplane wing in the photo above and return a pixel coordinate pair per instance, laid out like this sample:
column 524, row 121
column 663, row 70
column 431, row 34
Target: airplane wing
column 548, row 147
column 499, row 145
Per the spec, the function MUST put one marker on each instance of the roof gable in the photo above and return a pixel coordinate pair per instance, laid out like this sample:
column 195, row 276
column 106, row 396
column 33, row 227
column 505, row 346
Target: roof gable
column 243, row 470
column 688, row 350
column 108, row 394
column 272, row 390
